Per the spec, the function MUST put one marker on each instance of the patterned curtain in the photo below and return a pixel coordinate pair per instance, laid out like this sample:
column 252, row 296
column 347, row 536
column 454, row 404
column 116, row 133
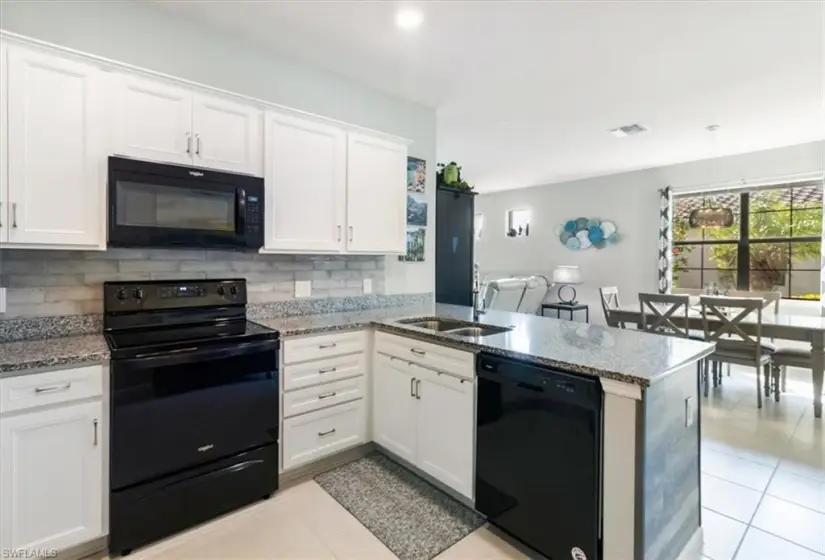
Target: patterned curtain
column 665, row 240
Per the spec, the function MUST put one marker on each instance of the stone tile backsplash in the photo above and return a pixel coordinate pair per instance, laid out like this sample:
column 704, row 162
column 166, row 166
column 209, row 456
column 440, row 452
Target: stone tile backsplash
column 52, row 283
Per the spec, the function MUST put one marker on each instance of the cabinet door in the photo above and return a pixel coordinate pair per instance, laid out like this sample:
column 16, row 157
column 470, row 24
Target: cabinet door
column 446, row 427
column 4, row 169
column 394, row 407
column 152, row 120
column 305, row 185
column 227, row 135
column 51, row 486
column 56, row 164
column 376, row 195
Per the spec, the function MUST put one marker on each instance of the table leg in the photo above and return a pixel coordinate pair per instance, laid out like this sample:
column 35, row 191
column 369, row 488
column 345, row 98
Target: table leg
column 818, row 370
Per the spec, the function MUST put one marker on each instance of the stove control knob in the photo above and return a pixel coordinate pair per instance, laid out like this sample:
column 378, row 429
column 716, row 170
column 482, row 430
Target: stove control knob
column 122, row 294
column 221, row 291
column 233, row 289
column 138, row 293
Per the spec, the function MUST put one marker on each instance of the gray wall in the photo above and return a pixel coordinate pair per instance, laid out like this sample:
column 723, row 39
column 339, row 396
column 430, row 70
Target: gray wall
column 52, row 283
column 138, row 34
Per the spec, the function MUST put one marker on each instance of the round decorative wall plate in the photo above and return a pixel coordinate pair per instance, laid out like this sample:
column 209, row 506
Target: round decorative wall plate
column 584, row 233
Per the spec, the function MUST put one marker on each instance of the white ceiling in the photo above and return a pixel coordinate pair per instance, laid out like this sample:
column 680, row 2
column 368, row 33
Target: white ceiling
column 526, row 91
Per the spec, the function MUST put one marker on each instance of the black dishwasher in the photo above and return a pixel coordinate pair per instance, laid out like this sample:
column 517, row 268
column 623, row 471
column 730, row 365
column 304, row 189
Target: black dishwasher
column 538, row 456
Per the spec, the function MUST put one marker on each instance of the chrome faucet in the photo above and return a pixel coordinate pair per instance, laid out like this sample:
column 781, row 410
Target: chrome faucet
column 478, row 301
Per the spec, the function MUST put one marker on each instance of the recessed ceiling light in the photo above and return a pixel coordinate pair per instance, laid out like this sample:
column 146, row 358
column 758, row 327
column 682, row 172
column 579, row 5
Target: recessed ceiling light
column 409, row 19
column 628, row 130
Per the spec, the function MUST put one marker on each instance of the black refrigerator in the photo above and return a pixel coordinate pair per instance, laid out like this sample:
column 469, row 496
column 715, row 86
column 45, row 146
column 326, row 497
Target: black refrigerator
column 454, row 238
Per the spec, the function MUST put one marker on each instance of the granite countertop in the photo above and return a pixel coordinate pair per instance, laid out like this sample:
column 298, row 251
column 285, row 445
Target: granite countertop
column 621, row 354
column 16, row 358
column 624, row 355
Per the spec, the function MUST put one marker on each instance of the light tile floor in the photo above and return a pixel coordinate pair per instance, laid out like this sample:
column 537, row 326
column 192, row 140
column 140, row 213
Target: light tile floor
column 763, row 496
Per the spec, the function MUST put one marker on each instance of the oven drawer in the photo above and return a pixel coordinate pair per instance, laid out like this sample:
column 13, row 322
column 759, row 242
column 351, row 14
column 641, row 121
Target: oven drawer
column 51, row 387
column 323, row 346
column 430, row 355
column 311, row 436
column 323, row 396
column 298, row 376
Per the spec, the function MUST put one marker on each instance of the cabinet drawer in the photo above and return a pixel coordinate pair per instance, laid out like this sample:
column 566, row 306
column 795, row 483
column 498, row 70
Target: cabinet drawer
column 323, row 396
column 298, row 376
column 323, row 346
column 434, row 356
column 311, row 436
column 51, row 387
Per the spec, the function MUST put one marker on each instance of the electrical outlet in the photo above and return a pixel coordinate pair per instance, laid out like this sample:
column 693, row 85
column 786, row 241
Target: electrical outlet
column 367, row 285
column 690, row 412
column 303, row 289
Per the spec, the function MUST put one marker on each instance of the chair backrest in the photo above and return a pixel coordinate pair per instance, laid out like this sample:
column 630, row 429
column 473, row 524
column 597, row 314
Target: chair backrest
column 664, row 314
column 610, row 300
column 722, row 318
column 771, row 298
column 688, row 291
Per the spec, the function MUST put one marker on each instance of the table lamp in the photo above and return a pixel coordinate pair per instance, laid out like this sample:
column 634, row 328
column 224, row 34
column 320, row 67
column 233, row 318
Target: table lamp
column 566, row 276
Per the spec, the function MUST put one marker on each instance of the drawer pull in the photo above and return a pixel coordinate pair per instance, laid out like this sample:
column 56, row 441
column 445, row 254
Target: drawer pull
column 328, row 432
column 325, row 346
column 327, row 370
column 327, row 395
column 418, row 352
column 53, row 388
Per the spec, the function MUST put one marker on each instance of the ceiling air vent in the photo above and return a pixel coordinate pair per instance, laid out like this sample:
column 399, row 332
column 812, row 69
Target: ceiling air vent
column 628, row 130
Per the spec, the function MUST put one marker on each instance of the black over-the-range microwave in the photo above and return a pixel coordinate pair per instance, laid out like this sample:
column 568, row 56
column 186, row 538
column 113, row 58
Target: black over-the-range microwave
column 162, row 205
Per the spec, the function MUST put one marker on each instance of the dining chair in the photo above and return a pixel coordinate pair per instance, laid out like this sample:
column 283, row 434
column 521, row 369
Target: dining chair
column 722, row 318
column 658, row 311
column 610, row 300
column 769, row 298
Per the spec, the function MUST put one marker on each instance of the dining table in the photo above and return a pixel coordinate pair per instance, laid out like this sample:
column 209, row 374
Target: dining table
column 803, row 328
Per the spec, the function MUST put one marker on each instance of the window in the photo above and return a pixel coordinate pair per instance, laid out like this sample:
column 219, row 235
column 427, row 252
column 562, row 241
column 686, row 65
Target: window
column 518, row 223
column 773, row 244
column 478, row 225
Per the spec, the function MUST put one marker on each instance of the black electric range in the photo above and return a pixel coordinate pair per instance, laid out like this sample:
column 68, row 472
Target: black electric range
column 194, row 406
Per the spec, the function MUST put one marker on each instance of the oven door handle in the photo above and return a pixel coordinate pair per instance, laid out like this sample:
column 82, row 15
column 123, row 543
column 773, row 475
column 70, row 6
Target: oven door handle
column 199, row 355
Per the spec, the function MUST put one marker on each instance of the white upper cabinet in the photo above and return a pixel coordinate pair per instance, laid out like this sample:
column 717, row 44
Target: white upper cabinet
column 4, row 169
column 56, row 168
column 227, row 135
column 51, row 473
column 305, row 185
column 376, row 195
column 152, row 120
column 158, row 121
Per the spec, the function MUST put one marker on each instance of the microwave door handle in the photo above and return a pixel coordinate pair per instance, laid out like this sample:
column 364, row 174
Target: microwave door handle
column 241, row 206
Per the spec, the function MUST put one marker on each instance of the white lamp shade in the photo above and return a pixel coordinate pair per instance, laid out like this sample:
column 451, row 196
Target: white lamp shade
column 567, row 275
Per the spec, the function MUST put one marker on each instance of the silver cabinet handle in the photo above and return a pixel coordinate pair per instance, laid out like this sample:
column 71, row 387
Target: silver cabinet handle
column 412, row 387
column 188, row 143
column 418, row 389
column 330, row 345
column 14, row 214
column 418, row 352
column 94, row 423
column 327, row 369
column 328, row 432
column 197, row 144
column 53, row 388
column 327, row 395
column 339, row 233
column 1, row 214
column 351, row 232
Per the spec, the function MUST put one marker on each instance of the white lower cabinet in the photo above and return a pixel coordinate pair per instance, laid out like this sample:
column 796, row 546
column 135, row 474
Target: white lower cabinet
column 426, row 417
column 51, row 490
column 311, row 436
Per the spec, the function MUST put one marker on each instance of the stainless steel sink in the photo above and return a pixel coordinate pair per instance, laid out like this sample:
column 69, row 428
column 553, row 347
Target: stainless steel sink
column 477, row 332
column 435, row 324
